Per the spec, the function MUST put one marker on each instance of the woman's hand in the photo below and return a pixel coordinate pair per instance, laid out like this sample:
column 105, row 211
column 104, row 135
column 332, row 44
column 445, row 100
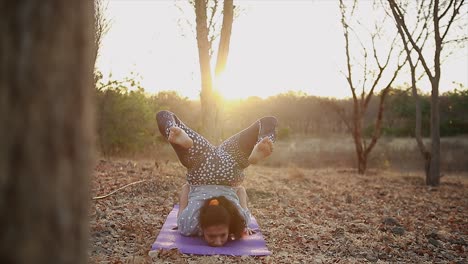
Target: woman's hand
column 249, row 231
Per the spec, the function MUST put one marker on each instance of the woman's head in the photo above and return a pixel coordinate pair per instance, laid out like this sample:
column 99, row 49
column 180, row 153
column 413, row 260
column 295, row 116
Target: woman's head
column 220, row 218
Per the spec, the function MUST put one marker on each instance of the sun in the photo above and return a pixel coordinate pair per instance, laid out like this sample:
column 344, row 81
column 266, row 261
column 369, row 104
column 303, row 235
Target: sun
column 228, row 87
column 241, row 85
column 233, row 86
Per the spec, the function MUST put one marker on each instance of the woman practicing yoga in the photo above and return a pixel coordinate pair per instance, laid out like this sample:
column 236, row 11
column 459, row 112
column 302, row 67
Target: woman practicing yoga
column 213, row 204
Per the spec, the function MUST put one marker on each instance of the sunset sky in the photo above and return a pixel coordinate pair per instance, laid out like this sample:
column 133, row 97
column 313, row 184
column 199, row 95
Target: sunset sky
column 276, row 46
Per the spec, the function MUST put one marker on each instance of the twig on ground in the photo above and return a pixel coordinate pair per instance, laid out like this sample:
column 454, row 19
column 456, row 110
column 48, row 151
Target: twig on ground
column 114, row 191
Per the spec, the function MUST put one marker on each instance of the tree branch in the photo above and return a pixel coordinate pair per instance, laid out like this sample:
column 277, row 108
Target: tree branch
column 456, row 11
column 419, row 141
column 348, row 56
column 446, row 10
column 397, row 14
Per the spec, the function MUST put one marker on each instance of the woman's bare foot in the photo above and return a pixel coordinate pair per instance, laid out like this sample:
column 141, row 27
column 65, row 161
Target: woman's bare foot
column 179, row 137
column 263, row 149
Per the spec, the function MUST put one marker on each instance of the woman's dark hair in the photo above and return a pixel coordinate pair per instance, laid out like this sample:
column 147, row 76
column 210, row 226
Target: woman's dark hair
column 224, row 213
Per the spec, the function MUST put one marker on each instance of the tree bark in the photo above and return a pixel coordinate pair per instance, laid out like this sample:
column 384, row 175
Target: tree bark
column 46, row 91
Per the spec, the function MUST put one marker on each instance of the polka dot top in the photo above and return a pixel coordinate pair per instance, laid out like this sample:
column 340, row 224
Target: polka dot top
column 217, row 165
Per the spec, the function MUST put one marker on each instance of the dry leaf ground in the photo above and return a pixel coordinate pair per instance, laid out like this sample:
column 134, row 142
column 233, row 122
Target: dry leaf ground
column 307, row 216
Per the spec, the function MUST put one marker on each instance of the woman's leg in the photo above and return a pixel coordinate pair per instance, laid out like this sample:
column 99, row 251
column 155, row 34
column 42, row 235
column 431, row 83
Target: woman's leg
column 187, row 143
column 253, row 143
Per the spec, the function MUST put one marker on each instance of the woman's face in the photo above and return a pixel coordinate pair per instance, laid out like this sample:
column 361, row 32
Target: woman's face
column 217, row 235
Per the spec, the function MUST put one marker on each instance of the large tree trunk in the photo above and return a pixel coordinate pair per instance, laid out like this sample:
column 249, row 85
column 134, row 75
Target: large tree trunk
column 207, row 99
column 46, row 87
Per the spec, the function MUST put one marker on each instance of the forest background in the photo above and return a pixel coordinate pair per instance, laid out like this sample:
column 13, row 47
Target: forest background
column 311, row 133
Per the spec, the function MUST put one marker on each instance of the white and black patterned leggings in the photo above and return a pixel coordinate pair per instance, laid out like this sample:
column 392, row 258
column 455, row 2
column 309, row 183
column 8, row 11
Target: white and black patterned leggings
column 217, row 165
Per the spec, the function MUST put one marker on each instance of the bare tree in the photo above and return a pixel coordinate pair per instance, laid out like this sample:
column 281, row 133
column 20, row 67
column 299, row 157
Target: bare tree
column 443, row 15
column 209, row 98
column 101, row 25
column 46, row 87
column 370, row 78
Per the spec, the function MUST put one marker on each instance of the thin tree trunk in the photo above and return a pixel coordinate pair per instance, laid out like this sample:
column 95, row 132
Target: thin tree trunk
column 417, row 131
column 362, row 163
column 206, row 96
column 357, row 136
column 46, row 87
column 434, row 169
column 225, row 39
column 223, row 51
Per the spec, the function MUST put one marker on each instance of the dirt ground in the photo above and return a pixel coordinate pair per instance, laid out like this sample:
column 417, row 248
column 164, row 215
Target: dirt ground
column 306, row 216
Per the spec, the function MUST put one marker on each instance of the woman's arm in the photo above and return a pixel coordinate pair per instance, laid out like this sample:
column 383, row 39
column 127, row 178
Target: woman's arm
column 183, row 198
column 242, row 194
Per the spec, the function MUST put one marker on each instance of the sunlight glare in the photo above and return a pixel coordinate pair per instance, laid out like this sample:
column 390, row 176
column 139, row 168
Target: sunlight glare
column 267, row 55
column 231, row 87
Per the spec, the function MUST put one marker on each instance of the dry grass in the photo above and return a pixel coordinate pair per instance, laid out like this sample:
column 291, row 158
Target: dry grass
column 306, row 215
column 397, row 154
column 295, row 173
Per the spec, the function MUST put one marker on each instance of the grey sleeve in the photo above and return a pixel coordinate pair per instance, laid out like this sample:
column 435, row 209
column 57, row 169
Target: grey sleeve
column 188, row 221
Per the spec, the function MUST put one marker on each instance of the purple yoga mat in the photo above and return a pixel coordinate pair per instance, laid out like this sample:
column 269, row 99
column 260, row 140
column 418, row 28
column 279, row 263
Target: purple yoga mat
column 168, row 238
